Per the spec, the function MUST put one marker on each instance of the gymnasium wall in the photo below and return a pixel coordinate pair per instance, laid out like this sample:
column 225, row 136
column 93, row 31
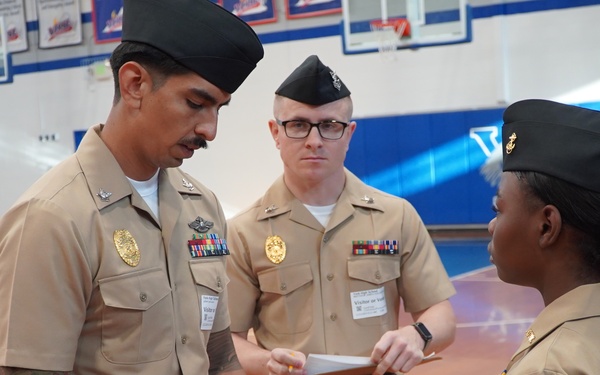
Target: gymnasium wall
column 415, row 112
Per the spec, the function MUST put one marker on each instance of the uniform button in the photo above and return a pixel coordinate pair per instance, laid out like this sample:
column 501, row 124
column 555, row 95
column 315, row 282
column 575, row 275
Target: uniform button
column 184, row 339
column 218, row 282
column 377, row 275
column 326, row 238
column 330, row 277
column 283, row 286
column 333, row 317
column 143, row 297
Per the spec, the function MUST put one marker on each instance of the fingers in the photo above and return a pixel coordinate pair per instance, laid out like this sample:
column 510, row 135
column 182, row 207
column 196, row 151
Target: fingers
column 395, row 353
column 286, row 361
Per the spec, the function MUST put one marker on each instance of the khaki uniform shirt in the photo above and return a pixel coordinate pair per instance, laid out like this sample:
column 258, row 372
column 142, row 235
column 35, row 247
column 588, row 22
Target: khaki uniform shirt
column 69, row 299
column 565, row 337
column 307, row 301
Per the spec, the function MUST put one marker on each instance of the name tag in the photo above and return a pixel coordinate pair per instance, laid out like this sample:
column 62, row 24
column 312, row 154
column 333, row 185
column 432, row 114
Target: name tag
column 208, row 307
column 368, row 303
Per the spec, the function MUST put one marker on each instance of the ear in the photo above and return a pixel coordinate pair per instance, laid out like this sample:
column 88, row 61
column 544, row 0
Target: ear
column 350, row 130
column 550, row 226
column 134, row 81
column 274, row 128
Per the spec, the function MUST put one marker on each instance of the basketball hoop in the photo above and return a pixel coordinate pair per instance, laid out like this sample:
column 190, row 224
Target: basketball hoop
column 390, row 32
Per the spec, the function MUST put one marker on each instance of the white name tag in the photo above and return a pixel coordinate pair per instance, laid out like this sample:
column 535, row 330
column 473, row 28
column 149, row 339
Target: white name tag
column 208, row 308
column 368, row 303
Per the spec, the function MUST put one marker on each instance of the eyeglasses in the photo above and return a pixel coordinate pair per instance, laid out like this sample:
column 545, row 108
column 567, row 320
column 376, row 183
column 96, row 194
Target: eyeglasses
column 330, row 129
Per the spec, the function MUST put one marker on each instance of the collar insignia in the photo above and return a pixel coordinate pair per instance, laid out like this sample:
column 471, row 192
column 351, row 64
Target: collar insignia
column 530, row 335
column 104, row 195
column 367, row 199
column 188, row 185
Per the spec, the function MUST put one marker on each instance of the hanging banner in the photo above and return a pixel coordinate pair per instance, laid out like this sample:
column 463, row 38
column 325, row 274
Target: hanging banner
column 15, row 26
column 253, row 12
column 107, row 17
column 5, row 75
column 59, row 23
column 310, row 8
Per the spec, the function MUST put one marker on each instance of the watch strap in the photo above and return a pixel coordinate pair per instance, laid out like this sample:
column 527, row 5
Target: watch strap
column 424, row 333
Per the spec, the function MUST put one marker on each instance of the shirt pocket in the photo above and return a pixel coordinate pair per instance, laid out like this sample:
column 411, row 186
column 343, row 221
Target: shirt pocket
column 287, row 298
column 137, row 317
column 374, row 272
column 211, row 282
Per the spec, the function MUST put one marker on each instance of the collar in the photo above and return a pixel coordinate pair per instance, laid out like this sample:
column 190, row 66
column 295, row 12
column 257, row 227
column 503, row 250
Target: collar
column 580, row 303
column 279, row 199
column 106, row 180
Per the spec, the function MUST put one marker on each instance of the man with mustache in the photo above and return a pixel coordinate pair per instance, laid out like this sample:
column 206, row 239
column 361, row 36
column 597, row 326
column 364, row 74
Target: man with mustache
column 114, row 261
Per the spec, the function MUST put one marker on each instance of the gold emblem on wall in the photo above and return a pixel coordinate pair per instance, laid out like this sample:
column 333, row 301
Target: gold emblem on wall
column 127, row 247
column 275, row 249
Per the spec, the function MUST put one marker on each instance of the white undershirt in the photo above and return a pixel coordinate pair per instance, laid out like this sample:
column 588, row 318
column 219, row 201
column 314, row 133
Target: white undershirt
column 149, row 191
column 321, row 213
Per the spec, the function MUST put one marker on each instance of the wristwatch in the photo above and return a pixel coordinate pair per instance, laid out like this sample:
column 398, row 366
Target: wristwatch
column 423, row 332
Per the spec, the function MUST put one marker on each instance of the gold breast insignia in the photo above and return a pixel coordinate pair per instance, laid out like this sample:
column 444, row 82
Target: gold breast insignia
column 127, row 247
column 275, row 249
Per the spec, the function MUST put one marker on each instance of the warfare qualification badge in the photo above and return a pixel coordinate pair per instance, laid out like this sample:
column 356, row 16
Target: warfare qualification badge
column 127, row 247
column 275, row 249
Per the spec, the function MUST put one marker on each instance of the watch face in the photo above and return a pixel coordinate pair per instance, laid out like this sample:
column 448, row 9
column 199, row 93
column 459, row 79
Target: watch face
column 423, row 331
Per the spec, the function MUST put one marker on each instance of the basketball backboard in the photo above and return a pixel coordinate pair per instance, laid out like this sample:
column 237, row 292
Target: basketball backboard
column 430, row 23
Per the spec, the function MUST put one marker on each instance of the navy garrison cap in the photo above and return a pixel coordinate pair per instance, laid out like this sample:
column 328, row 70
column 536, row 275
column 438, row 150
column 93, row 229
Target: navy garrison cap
column 313, row 83
column 200, row 35
column 555, row 139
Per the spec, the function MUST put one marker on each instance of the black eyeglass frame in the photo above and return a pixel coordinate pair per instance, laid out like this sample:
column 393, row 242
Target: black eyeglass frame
column 314, row 125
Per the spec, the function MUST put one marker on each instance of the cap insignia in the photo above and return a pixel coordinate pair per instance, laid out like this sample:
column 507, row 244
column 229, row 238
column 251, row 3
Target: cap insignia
column 336, row 81
column 510, row 146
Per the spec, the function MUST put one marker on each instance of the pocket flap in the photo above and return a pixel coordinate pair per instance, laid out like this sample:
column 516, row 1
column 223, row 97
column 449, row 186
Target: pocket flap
column 378, row 269
column 285, row 279
column 137, row 290
column 210, row 273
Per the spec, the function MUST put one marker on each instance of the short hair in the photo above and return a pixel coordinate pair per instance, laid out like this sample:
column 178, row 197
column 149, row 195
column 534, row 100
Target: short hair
column 160, row 65
column 578, row 208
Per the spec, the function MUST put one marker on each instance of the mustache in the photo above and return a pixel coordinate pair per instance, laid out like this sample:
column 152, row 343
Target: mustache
column 196, row 141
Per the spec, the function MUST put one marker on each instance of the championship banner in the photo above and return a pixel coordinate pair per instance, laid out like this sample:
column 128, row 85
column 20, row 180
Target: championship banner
column 59, row 23
column 253, row 12
column 310, row 8
column 15, row 26
column 107, row 17
column 5, row 75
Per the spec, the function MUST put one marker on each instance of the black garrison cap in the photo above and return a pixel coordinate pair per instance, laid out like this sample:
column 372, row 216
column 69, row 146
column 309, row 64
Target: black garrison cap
column 313, row 83
column 556, row 139
column 200, row 35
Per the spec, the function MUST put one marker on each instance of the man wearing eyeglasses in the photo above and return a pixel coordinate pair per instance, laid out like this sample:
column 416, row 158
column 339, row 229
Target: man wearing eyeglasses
column 321, row 262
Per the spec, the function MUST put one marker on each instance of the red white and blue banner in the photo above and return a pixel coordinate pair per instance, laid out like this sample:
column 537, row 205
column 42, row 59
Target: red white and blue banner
column 59, row 23
column 311, row 8
column 15, row 27
column 253, row 12
column 107, row 17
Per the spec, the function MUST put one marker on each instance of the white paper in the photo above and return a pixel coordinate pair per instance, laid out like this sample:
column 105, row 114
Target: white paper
column 319, row 363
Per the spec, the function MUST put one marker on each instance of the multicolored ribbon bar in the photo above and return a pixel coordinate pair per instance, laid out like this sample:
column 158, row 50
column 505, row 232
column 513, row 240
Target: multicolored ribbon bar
column 206, row 245
column 374, row 247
